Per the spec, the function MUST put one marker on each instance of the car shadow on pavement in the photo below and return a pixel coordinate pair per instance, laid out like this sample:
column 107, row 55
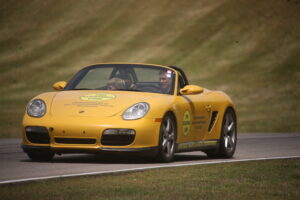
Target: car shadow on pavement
column 117, row 159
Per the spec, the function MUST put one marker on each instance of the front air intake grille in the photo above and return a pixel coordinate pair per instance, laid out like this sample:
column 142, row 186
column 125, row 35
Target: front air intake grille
column 118, row 137
column 117, row 140
column 37, row 134
column 75, row 140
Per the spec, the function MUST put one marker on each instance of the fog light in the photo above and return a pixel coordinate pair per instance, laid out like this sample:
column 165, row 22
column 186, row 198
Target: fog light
column 119, row 132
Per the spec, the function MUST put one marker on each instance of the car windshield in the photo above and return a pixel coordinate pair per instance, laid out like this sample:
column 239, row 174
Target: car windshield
column 127, row 77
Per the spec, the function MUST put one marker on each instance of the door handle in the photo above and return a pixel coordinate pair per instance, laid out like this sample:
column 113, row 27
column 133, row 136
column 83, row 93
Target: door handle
column 208, row 108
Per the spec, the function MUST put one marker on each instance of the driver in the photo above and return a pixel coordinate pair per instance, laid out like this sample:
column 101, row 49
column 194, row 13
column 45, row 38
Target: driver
column 165, row 79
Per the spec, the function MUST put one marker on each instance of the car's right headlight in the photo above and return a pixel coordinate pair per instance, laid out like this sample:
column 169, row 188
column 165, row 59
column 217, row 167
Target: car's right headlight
column 136, row 111
column 36, row 108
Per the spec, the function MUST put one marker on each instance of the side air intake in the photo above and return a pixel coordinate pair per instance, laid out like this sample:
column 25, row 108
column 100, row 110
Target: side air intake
column 213, row 120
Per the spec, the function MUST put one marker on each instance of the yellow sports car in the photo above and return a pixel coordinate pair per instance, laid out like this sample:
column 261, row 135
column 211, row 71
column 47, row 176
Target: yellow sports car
column 143, row 108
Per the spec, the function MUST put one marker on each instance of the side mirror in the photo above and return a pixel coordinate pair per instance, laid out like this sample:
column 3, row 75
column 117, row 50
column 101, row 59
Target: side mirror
column 191, row 89
column 59, row 86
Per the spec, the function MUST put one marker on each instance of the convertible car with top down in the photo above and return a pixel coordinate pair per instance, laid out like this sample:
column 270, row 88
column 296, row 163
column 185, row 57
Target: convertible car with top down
column 129, row 108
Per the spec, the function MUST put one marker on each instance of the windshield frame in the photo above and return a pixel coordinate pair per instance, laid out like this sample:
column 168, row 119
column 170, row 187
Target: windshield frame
column 80, row 74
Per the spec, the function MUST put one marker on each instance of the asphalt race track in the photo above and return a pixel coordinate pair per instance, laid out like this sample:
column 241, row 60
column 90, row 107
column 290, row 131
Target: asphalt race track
column 16, row 167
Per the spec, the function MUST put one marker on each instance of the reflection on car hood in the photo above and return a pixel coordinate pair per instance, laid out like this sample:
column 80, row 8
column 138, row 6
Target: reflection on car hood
column 94, row 103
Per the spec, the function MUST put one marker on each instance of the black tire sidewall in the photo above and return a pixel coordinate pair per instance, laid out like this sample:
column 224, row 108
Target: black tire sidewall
column 162, row 157
column 223, row 151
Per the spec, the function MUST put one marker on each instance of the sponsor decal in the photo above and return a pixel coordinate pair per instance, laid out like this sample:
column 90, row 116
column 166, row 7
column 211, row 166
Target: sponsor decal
column 199, row 122
column 97, row 97
column 186, row 124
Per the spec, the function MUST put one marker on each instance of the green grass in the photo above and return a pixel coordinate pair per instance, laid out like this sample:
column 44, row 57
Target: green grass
column 249, row 49
column 273, row 179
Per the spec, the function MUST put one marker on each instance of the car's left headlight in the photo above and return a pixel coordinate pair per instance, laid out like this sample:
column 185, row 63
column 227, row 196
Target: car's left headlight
column 36, row 108
column 136, row 111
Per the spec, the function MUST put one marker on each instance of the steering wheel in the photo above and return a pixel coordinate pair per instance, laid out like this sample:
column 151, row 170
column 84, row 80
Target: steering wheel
column 150, row 88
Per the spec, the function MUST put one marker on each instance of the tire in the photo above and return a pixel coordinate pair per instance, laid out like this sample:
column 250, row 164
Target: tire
column 167, row 139
column 228, row 138
column 40, row 156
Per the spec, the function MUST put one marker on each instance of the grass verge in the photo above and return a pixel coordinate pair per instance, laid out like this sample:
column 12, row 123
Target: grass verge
column 273, row 179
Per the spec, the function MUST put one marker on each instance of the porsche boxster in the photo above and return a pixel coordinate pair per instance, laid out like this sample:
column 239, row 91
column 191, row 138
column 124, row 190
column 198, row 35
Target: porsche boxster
column 126, row 108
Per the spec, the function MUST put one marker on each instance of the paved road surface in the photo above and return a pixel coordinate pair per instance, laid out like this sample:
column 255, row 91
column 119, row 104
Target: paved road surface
column 15, row 166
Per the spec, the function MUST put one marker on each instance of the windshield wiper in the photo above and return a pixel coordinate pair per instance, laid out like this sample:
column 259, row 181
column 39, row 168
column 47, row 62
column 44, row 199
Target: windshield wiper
column 135, row 90
column 81, row 89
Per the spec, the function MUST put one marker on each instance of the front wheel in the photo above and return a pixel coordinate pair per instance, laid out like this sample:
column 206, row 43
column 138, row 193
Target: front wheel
column 228, row 137
column 167, row 139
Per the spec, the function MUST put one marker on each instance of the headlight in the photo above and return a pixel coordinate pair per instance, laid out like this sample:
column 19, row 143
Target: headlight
column 136, row 111
column 36, row 108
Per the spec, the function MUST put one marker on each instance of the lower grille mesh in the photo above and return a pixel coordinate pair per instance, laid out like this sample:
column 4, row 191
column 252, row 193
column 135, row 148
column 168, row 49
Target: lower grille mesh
column 117, row 140
column 37, row 134
column 75, row 140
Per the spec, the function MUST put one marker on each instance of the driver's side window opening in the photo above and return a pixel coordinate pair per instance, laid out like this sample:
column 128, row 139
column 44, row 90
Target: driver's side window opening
column 181, row 83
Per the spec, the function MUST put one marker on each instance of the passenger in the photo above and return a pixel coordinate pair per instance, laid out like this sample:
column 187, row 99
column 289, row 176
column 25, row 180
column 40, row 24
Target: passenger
column 116, row 84
column 128, row 82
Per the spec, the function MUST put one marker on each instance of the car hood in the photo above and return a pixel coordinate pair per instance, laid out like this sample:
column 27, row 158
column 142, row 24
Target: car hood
column 96, row 103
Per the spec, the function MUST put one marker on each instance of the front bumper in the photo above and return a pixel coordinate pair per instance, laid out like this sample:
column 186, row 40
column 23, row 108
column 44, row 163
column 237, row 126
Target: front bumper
column 85, row 135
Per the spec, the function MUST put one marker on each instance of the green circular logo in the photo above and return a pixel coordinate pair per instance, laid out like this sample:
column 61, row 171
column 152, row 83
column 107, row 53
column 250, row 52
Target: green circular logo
column 97, row 97
column 186, row 125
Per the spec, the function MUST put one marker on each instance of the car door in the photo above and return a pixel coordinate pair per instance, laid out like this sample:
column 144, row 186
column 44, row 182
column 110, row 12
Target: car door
column 201, row 109
column 184, row 120
column 196, row 109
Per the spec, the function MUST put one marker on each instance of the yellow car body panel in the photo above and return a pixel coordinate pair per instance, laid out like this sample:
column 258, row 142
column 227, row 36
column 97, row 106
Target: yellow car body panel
column 86, row 114
column 67, row 119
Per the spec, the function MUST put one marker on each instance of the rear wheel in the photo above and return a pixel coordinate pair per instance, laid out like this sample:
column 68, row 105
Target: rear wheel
column 40, row 156
column 167, row 139
column 228, row 137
